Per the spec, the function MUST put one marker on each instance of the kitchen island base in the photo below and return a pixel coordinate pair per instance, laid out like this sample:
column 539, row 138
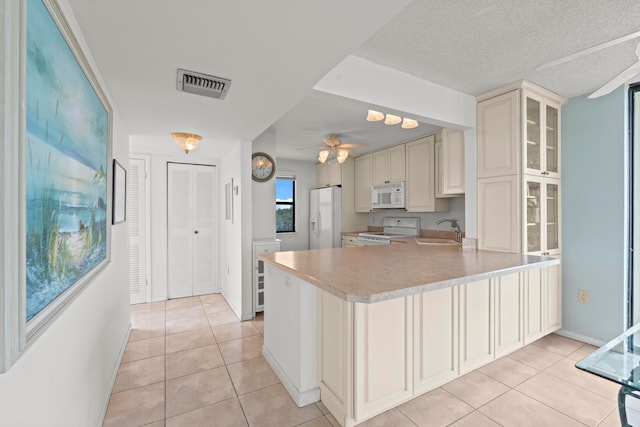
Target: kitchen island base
column 368, row 353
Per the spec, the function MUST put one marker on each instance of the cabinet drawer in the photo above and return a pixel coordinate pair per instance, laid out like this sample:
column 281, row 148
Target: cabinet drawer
column 349, row 241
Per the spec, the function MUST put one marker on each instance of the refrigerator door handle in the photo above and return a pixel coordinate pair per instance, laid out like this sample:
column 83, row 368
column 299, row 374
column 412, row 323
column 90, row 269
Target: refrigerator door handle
column 319, row 225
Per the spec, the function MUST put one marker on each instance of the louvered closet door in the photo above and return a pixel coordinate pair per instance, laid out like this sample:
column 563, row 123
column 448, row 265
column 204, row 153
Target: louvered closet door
column 137, row 219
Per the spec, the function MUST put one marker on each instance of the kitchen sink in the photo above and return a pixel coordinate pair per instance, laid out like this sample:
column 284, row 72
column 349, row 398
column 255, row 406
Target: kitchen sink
column 435, row 241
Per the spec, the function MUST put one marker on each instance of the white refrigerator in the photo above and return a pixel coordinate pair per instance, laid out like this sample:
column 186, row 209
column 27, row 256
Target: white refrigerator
column 325, row 223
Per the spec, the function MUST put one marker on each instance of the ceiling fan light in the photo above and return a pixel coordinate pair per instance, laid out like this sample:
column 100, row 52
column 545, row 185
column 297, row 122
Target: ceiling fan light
column 186, row 141
column 342, row 155
column 322, row 156
column 392, row 120
column 374, row 116
column 409, row 123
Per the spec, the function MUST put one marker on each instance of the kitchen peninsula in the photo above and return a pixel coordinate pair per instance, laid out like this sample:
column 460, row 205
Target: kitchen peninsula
column 366, row 329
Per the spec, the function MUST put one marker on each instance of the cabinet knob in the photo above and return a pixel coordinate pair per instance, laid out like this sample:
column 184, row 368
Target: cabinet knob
column 195, row 232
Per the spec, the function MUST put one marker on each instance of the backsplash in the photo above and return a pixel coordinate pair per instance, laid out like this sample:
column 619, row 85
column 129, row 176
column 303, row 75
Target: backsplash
column 427, row 219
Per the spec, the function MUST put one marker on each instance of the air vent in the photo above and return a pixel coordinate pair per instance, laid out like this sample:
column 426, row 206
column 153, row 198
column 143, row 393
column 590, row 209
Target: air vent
column 202, row 84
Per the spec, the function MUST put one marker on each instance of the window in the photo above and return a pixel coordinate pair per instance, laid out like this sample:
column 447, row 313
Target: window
column 285, row 205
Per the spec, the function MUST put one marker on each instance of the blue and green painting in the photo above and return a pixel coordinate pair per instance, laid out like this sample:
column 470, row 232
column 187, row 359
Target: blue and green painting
column 67, row 140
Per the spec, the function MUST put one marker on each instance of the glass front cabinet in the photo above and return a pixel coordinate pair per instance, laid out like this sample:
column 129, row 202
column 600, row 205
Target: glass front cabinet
column 541, row 136
column 541, row 213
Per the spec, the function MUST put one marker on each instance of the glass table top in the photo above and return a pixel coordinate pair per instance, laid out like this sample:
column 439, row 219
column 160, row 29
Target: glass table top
column 618, row 360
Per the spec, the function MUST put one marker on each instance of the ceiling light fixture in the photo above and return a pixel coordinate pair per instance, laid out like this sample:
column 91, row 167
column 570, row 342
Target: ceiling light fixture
column 409, row 123
column 392, row 120
column 342, row 155
column 322, row 156
column 186, row 141
column 374, row 116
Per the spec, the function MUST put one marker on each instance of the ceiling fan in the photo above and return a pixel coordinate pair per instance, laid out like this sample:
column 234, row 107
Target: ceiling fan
column 333, row 145
column 624, row 77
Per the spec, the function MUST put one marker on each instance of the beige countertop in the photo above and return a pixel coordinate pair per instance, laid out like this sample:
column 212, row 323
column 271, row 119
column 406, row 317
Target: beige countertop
column 376, row 273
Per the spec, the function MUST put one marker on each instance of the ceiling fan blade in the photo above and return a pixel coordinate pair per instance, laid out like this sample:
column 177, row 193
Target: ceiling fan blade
column 588, row 51
column 353, row 145
column 312, row 147
column 618, row 80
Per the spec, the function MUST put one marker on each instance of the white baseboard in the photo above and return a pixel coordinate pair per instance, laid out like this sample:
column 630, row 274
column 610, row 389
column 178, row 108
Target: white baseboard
column 300, row 398
column 578, row 337
column 114, row 374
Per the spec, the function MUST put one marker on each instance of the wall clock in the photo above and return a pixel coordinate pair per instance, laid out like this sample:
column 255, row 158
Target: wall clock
column 262, row 167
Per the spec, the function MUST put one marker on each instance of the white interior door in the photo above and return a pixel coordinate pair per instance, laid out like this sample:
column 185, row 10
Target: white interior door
column 138, row 223
column 204, row 216
column 192, row 262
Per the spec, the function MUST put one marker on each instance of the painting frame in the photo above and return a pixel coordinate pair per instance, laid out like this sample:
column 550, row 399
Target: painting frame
column 33, row 325
column 119, row 202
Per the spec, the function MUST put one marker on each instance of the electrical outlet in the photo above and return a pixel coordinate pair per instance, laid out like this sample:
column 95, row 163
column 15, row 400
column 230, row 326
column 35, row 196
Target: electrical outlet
column 583, row 297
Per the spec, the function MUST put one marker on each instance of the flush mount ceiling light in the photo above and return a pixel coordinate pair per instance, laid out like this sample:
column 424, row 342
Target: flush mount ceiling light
column 186, row 141
column 391, row 119
column 409, row 123
column 374, row 116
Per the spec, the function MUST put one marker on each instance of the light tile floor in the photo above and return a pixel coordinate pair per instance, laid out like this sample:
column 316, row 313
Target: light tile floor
column 190, row 362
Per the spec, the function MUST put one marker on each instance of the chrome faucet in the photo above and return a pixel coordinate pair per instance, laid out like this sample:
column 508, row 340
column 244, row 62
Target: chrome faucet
column 455, row 226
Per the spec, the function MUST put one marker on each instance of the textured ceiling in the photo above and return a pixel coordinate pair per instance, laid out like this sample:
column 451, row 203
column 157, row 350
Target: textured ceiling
column 477, row 45
column 276, row 51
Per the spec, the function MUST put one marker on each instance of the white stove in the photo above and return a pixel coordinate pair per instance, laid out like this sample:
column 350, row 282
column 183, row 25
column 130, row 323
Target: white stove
column 393, row 227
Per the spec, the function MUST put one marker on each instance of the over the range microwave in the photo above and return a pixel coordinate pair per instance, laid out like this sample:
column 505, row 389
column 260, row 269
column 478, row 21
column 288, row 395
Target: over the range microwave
column 388, row 196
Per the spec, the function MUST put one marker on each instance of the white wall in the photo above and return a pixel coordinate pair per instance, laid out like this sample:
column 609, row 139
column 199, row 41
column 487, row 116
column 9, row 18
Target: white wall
column 263, row 194
column 161, row 151
column 305, row 173
column 594, row 212
column 65, row 377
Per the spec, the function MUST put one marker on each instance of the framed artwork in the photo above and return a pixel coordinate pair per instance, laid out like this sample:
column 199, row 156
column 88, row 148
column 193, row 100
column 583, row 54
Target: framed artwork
column 67, row 139
column 119, row 193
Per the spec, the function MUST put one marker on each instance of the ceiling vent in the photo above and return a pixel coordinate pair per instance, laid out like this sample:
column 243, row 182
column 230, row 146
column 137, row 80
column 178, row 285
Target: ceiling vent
column 203, row 84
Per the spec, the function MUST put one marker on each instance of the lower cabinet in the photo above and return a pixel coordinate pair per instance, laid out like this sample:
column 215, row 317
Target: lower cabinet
column 476, row 325
column 374, row 357
column 435, row 338
column 508, row 313
column 382, row 355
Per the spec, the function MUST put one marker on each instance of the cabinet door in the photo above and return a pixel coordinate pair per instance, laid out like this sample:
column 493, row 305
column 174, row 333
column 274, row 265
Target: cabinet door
column 508, row 311
column 335, row 172
column 322, row 175
column 533, row 107
column 420, row 169
column 534, row 209
column 553, row 306
column 552, row 140
column 452, row 162
column 534, row 300
column 380, row 167
column 435, row 345
column 551, row 194
column 397, row 163
column 383, row 355
column 498, row 135
column 363, row 165
column 499, row 213
column 476, row 325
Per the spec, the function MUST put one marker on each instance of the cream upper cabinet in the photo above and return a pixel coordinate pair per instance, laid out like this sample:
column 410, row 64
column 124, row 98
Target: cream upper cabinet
column 389, row 165
column 421, row 176
column 499, row 214
column 498, row 133
column 363, row 179
column 328, row 174
column 450, row 163
column 519, row 131
column 541, row 135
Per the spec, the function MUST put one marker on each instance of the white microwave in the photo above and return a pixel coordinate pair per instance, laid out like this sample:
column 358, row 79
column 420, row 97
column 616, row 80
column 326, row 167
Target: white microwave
column 388, row 196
